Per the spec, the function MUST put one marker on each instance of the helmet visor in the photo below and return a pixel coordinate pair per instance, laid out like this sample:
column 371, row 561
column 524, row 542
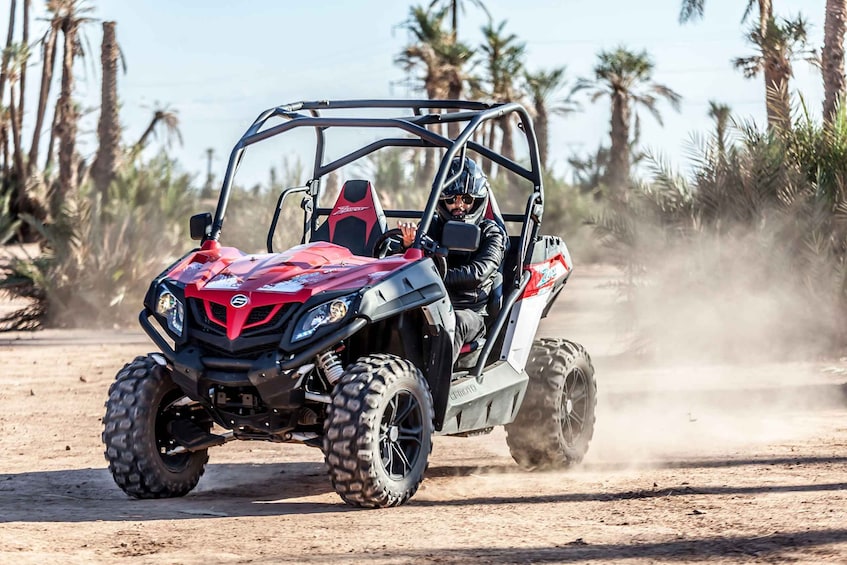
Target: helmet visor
column 466, row 198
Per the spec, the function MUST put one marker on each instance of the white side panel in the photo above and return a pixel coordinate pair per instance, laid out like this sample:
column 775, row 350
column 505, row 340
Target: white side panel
column 520, row 334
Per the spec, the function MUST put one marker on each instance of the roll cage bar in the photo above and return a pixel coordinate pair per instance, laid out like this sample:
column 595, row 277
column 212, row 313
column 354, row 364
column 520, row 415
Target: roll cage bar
column 422, row 113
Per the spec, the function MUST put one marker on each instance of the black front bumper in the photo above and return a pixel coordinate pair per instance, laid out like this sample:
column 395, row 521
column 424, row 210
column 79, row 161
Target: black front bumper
column 274, row 374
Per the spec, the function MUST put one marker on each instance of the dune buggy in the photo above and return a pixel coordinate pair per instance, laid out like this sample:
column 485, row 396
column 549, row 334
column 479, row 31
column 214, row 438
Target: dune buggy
column 339, row 344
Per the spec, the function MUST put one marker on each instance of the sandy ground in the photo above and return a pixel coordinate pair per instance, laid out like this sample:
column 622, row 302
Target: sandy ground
column 690, row 462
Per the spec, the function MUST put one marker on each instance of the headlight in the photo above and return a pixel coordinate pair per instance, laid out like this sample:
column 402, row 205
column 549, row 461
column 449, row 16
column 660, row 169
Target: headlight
column 172, row 309
column 330, row 312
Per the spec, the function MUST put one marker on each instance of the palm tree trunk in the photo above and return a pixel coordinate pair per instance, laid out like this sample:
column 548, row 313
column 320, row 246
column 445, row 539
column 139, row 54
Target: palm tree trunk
column 22, row 77
column 7, row 52
column 51, row 144
column 4, row 143
column 108, row 128
column 454, row 92
column 488, row 165
column 4, row 65
column 427, row 171
column 15, row 119
column 832, row 57
column 67, row 124
column 778, row 99
column 142, row 141
column 541, row 133
column 776, row 83
column 507, row 144
column 617, row 173
column 49, row 56
column 765, row 15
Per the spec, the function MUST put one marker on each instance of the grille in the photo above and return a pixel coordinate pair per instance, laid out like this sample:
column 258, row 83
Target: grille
column 218, row 312
column 217, row 324
column 256, row 315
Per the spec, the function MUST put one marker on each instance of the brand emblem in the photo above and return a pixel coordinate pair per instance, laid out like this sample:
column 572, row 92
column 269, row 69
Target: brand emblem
column 239, row 301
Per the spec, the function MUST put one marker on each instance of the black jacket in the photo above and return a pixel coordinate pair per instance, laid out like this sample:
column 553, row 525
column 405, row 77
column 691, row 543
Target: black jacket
column 470, row 276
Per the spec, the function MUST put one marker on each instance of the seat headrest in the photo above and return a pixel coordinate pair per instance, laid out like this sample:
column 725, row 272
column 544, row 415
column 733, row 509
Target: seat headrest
column 357, row 198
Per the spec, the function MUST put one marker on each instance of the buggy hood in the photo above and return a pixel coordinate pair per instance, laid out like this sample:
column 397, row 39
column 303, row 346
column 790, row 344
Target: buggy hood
column 271, row 278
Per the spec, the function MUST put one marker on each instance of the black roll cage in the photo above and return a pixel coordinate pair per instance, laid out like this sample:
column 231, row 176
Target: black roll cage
column 423, row 113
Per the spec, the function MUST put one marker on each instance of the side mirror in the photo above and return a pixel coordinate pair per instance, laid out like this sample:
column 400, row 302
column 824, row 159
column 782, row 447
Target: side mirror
column 459, row 236
column 200, row 226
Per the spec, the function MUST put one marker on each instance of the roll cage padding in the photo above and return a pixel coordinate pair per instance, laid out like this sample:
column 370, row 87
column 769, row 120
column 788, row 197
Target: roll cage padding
column 356, row 221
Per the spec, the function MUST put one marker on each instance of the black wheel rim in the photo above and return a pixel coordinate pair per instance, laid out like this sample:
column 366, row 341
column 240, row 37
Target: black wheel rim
column 401, row 434
column 575, row 403
column 165, row 442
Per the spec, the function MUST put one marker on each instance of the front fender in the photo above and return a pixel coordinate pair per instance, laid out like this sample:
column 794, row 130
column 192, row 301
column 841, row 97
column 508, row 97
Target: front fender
column 405, row 289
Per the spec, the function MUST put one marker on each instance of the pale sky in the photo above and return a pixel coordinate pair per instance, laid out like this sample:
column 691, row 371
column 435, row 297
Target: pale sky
column 220, row 63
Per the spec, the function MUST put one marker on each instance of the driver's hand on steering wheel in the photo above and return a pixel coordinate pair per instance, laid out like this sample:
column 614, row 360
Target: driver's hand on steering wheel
column 408, row 230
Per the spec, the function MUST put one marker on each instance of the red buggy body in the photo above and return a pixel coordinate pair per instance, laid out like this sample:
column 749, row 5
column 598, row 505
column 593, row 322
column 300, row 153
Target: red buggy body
column 341, row 345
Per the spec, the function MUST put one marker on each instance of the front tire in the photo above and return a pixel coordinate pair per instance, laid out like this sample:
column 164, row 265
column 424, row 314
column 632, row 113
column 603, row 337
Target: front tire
column 136, row 433
column 378, row 432
column 556, row 420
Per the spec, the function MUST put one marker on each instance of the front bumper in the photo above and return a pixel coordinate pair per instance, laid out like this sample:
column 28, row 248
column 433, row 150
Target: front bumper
column 274, row 374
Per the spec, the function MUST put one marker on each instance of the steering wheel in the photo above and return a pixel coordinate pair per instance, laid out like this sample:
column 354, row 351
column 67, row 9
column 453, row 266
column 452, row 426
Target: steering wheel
column 383, row 245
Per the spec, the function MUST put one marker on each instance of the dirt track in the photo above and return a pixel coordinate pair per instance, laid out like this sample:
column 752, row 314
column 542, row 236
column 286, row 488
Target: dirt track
column 719, row 463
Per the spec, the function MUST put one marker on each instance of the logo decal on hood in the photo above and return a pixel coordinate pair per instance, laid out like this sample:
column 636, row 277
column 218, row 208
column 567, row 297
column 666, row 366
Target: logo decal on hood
column 239, row 301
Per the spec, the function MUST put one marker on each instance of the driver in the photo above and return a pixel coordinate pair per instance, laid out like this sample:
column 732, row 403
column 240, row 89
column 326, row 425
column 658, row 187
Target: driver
column 470, row 275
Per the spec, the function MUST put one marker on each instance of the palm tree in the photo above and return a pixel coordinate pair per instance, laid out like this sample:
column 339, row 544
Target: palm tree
column 542, row 86
column 17, row 57
column 169, row 119
column 4, row 71
column 693, row 10
column 721, row 114
column 4, row 61
column 48, row 50
column 22, row 71
column 783, row 43
column 454, row 6
column 626, row 78
column 503, row 57
column 71, row 17
column 440, row 59
column 832, row 57
column 422, row 54
column 108, row 127
column 772, row 60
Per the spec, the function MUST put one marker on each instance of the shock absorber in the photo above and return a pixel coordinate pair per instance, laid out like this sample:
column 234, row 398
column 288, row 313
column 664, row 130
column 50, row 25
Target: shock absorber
column 330, row 364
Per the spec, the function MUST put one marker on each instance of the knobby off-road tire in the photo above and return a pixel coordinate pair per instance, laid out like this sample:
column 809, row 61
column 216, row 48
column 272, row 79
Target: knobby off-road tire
column 378, row 432
column 556, row 420
column 136, row 432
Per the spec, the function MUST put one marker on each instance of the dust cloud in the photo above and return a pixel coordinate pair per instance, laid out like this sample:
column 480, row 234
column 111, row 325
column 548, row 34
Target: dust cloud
column 717, row 345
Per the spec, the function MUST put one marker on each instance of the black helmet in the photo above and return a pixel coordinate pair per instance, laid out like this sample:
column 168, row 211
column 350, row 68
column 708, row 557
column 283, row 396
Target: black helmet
column 472, row 182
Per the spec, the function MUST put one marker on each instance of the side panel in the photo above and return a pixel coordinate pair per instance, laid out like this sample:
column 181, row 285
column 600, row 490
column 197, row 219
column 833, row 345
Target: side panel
column 480, row 403
column 523, row 323
column 550, row 268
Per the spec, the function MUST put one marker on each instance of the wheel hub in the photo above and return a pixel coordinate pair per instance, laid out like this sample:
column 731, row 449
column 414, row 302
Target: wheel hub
column 569, row 405
column 393, row 433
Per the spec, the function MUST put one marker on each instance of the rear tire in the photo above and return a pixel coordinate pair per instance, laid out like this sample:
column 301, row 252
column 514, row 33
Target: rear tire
column 378, row 432
column 136, row 433
column 556, row 420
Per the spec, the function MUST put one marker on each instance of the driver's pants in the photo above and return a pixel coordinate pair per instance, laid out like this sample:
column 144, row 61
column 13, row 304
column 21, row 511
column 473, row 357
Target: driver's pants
column 470, row 325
